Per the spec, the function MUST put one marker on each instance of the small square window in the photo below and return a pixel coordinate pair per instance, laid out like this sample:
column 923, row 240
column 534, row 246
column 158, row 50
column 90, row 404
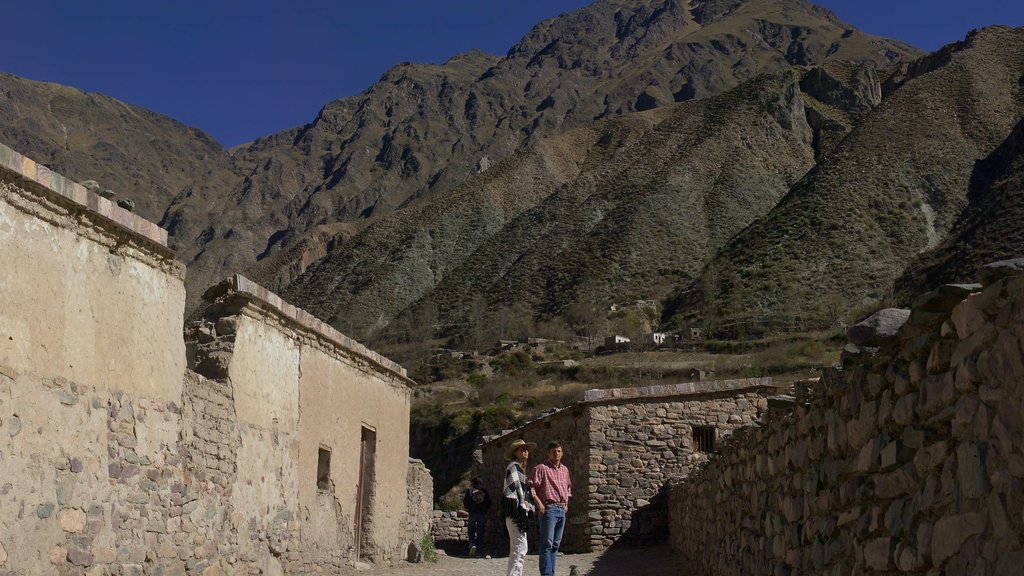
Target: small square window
column 323, row 469
column 704, row 438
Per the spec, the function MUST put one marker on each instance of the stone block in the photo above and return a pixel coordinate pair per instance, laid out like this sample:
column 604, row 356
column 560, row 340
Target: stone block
column 878, row 328
column 972, row 477
column 903, row 411
column 896, row 483
column 951, row 532
column 968, row 316
column 72, row 520
column 940, row 355
column 937, row 392
column 79, row 557
column 945, row 297
column 878, row 554
column 44, row 511
column 993, row 272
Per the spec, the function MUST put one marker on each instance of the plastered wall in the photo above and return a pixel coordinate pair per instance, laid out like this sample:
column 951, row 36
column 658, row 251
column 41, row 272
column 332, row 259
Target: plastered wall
column 86, row 300
column 337, row 400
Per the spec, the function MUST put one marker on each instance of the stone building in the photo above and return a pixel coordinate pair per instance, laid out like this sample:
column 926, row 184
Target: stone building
column 285, row 450
column 622, row 446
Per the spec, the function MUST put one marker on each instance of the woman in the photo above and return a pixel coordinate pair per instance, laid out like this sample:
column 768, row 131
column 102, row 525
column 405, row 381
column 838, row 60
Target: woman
column 517, row 504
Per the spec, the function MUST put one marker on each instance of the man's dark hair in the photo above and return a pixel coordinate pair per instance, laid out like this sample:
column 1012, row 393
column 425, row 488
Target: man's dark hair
column 552, row 445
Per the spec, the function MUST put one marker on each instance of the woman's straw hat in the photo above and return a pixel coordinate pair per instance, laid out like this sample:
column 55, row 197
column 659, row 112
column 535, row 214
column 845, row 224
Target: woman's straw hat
column 516, row 445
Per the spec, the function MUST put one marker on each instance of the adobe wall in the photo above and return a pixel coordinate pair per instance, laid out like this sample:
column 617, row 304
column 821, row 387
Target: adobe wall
column 298, row 389
column 907, row 460
column 93, row 390
column 416, row 522
column 117, row 459
column 84, row 297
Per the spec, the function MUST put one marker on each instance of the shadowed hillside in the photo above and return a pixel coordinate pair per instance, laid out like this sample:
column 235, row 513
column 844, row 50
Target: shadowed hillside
column 990, row 229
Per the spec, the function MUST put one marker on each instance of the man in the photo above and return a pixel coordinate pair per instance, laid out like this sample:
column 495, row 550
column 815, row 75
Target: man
column 552, row 489
column 477, row 502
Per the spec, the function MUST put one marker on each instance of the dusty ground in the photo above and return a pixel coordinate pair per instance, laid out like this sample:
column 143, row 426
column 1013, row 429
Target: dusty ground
column 648, row 561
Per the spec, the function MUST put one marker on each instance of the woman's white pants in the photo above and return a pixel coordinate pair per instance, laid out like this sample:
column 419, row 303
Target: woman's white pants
column 517, row 548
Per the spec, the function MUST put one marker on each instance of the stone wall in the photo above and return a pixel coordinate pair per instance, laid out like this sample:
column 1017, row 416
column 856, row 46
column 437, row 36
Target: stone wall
column 418, row 517
column 636, row 447
column 621, row 447
column 906, row 460
column 450, row 529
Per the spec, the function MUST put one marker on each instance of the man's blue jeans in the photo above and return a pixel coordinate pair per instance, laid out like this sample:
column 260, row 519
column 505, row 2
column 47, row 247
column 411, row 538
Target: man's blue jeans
column 552, row 524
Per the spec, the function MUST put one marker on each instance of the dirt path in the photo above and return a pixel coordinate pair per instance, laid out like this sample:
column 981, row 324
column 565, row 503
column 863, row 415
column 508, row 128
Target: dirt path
column 648, row 561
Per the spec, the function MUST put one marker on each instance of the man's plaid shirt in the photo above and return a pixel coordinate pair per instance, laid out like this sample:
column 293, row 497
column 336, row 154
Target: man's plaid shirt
column 550, row 484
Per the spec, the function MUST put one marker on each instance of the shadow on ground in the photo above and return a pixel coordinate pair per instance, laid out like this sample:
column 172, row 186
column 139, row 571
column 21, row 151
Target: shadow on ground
column 618, row 561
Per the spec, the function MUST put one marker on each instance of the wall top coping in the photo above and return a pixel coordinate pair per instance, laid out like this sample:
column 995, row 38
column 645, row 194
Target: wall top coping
column 242, row 285
column 12, row 162
column 645, row 394
column 672, row 390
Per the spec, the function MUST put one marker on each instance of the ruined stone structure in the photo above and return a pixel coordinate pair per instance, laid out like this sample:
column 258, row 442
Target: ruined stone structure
column 285, row 451
column 621, row 447
column 908, row 459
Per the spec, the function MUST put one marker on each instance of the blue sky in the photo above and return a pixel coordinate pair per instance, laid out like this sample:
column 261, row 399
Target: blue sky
column 239, row 70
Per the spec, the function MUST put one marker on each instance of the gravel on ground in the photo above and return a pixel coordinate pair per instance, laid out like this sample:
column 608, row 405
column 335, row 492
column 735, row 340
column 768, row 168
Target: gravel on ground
column 618, row 562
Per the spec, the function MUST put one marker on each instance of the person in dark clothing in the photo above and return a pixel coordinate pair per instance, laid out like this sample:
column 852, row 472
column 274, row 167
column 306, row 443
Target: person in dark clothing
column 477, row 502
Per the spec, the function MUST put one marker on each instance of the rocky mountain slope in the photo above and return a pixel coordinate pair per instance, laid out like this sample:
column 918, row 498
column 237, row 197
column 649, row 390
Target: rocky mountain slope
column 140, row 155
column 630, row 205
column 758, row 159
column 426, row 128
column 893, row 188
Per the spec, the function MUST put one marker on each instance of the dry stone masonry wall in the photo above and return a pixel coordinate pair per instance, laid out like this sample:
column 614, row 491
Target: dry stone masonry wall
column 909, row 459
column 635, row 448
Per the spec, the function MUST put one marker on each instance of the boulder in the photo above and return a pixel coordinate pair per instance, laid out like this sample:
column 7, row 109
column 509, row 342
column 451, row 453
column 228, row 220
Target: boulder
column 879, row 327
column 991, row 273
column 945, row 297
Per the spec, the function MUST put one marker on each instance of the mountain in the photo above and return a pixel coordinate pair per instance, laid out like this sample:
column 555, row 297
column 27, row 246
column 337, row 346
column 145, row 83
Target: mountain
column 423, row 129
column 609, row 155
column 626, row 205
column 140, row 155
column 892, row 189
